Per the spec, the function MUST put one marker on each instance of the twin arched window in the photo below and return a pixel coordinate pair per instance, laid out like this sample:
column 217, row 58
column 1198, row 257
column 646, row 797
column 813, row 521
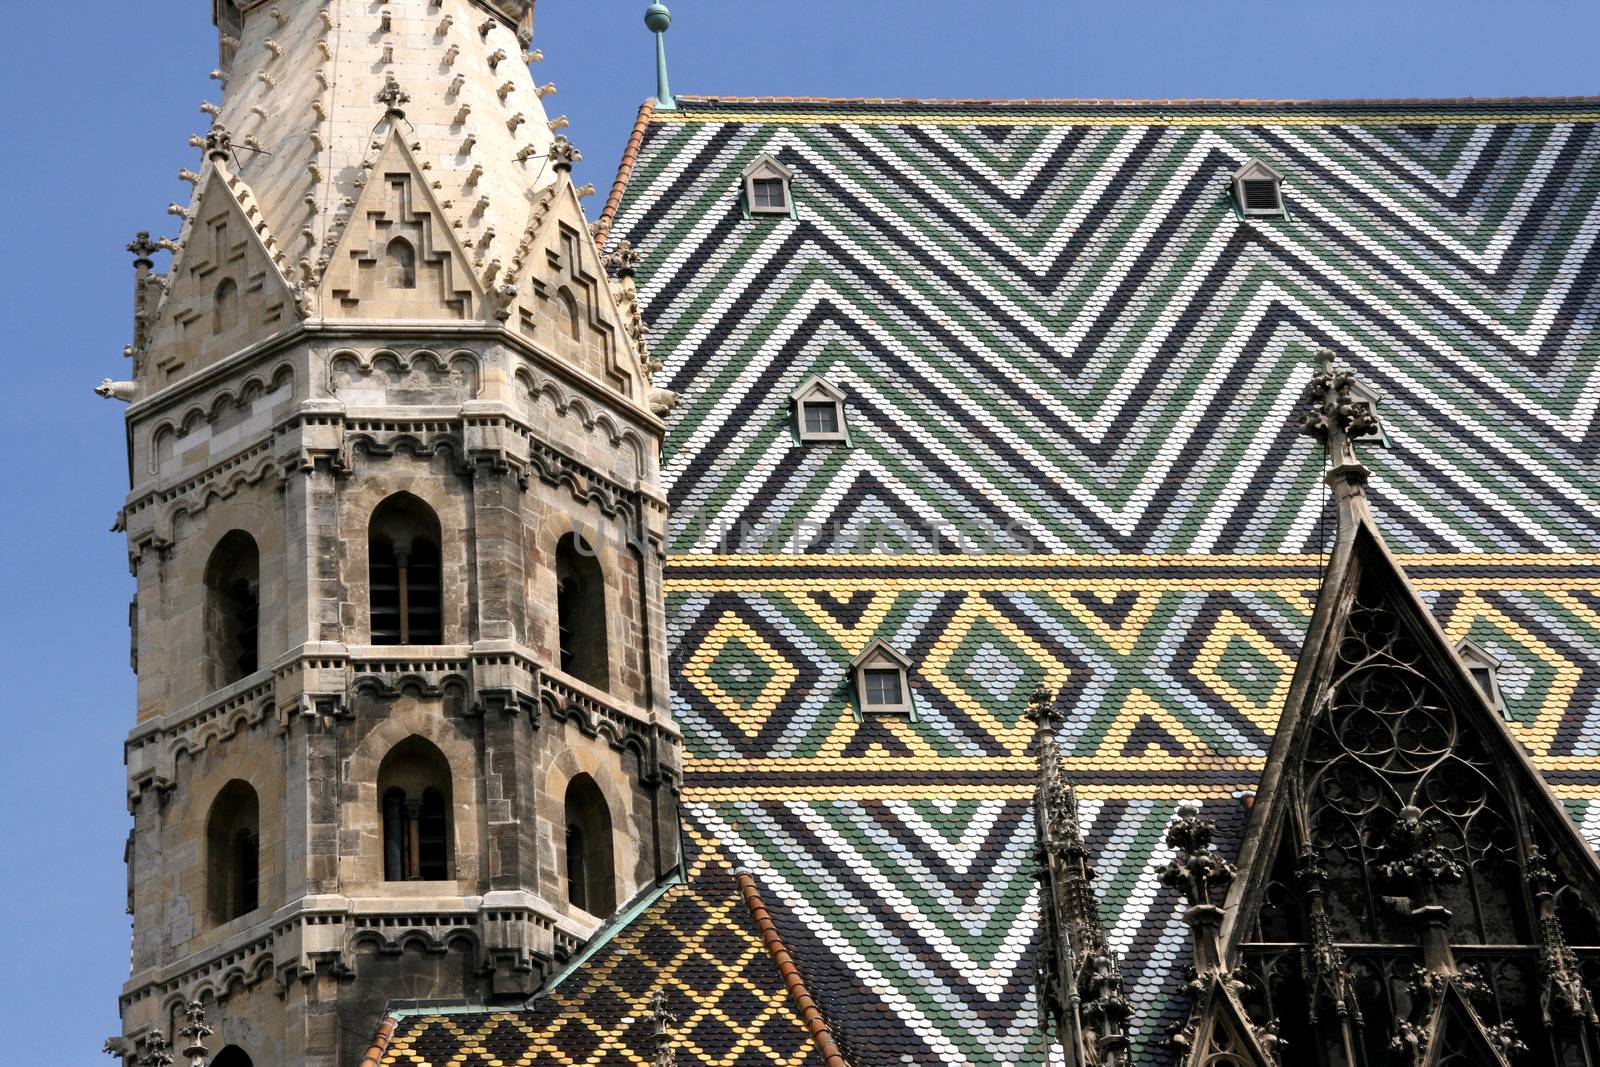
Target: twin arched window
column 414, row 786
column 591, row 874
column 233, row 609
column 233, row 853
column 404, row 577
column 581, row 612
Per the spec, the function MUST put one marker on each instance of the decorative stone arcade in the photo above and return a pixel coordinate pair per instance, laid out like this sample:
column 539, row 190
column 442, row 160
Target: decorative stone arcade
column 384, row 393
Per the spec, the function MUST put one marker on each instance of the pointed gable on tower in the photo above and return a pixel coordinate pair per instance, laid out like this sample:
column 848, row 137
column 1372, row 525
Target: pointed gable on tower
column 398, row 257
column 226, row 287
column 1408, row 884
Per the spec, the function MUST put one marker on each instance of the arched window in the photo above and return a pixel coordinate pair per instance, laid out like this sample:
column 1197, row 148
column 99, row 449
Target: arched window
column 232, row 1056
column 225, row 306
column 569, row 309
column 400, row 264
column 233, row 609
column 591, row 878
column 414, row 787
column 404, row 581
column 581, row 612
column 233, row 853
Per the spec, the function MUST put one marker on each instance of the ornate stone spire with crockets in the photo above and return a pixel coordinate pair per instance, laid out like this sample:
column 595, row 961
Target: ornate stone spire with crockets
column 1080, row 979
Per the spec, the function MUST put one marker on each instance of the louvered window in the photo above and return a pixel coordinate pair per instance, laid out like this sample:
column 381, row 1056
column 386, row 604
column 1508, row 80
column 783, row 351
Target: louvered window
column 1261, row 197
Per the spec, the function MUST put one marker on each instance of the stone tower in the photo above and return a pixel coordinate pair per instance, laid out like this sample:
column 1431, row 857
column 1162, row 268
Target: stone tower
column 395, row 520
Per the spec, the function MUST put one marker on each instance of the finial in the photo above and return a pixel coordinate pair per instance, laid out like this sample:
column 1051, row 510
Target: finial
column 394, row 97
column 623, row 259
column 219, row 142
column 194, row 1034
column 143, row 248
column 1336, row 419
column 657, row 18
column 1195, row 872
column 564, row 154
column 157, row 1053
column 666, row 1055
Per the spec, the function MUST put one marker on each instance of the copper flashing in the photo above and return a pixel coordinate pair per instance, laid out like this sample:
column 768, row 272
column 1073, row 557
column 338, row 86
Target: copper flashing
column 630, row 156
column 810, row 1014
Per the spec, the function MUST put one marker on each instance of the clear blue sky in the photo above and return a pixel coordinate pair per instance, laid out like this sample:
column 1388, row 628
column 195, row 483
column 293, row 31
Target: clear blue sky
column 101, row 97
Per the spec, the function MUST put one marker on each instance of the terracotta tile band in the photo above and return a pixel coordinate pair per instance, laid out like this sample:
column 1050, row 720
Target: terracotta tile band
column 810, row 1014
column 380, row 1042
column 630, row 155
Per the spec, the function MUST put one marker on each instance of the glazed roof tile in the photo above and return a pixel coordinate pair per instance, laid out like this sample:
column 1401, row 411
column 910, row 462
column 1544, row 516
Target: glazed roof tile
column 1072, row 370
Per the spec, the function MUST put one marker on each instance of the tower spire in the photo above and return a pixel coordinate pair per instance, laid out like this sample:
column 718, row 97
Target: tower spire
column 658, row 18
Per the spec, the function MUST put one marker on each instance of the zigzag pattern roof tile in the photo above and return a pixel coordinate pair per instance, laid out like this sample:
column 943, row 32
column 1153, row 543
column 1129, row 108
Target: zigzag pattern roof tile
column 1058, row 339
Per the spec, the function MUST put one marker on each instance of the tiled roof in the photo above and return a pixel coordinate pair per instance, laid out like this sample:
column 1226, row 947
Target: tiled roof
column 708, row 947
column 1072, row 370
column 1064, row 351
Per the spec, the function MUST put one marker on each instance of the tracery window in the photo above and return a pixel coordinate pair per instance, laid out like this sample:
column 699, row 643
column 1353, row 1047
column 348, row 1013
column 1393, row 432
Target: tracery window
column 1404, row 804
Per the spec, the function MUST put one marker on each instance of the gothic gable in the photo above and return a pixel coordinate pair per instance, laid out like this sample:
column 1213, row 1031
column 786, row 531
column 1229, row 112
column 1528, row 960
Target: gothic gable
column 398, row 257
column 1399, row 877
column 564, row 299
column 225, row 291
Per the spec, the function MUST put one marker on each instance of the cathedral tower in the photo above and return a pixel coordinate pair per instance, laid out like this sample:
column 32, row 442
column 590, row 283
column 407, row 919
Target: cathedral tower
column 395, row 520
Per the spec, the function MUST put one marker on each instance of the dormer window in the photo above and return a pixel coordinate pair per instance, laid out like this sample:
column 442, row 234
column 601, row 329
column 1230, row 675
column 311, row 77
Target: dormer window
column 1484, row 669
column 883, row 683
column 818, row 411
column 1258, row 191
column 767, row 188
column 1364, row 397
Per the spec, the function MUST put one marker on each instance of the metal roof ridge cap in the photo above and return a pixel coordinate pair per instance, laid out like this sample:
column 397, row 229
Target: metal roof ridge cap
column 1296, row 102
column 610, row 929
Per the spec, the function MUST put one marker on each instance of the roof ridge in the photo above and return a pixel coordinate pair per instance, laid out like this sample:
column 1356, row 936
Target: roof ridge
column 1310, row 102
column 810, row 1014
column 630, row 156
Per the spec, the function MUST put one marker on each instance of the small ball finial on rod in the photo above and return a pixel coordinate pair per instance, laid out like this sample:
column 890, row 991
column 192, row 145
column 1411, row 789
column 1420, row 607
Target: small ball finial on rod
column 657, row 19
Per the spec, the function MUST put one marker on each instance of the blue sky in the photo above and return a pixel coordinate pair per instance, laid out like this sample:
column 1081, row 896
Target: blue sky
column 101, row 98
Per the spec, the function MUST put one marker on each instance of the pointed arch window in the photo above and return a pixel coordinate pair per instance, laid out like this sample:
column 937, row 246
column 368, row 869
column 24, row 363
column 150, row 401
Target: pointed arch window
column 1258, row 191
column 233, row 853
column 414, row 791
column 232, row 1056
column 581, row 612
column 225, row 306
column 768, row 187
column 883, row 680
column 404, row 573
column 819, row 411
column 400, row 264
column 233, row 609
column 591, row 875
column 571, row 317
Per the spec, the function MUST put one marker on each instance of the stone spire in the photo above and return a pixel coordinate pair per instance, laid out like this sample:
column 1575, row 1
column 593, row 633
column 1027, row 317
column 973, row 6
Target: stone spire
column 1080, row 978
column 311, row 86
